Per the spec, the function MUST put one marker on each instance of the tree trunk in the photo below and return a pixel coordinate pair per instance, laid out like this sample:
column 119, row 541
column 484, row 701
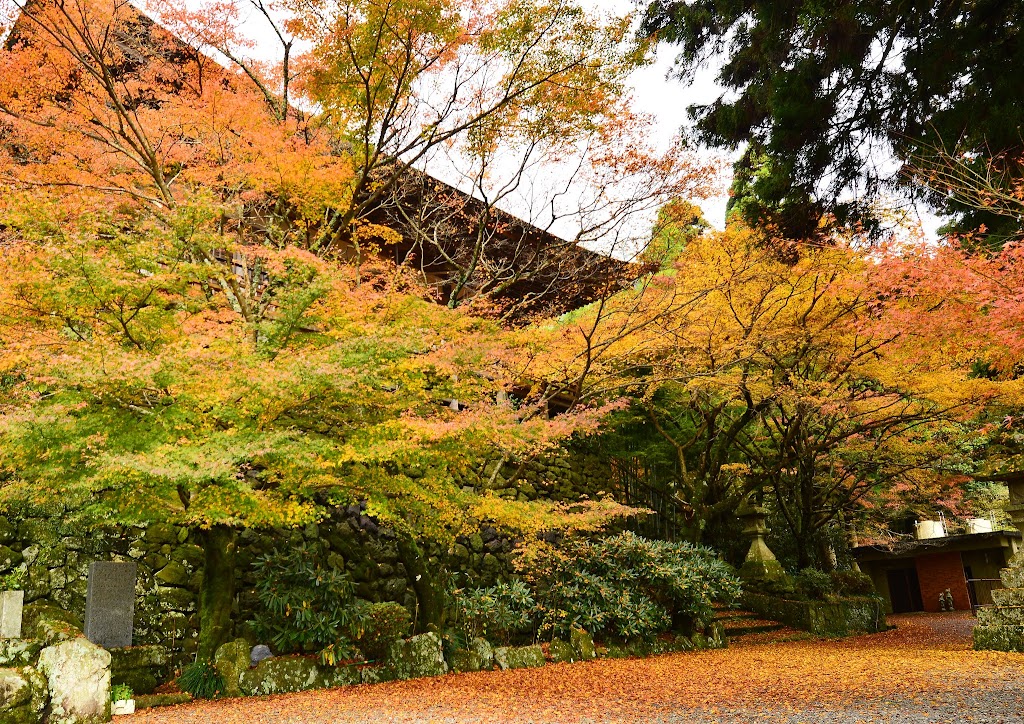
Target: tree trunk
column 829, row 559
column 804, row 549
column 217, row 594
column 427, row 584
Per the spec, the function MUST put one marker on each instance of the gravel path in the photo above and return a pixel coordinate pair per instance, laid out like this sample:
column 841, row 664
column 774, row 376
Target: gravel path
column 921, row 672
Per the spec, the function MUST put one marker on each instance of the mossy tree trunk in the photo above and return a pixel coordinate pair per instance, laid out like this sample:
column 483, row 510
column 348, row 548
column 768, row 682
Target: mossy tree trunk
column 217, row 594
column 427, row 582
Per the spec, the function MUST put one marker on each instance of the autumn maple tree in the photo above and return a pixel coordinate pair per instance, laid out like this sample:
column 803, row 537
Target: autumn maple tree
column 768, row 368
column 188, row 335
column 133, row 389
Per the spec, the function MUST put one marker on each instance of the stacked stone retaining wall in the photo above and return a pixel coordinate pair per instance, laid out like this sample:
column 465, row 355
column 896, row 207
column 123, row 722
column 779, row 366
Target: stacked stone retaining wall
column 55, row 548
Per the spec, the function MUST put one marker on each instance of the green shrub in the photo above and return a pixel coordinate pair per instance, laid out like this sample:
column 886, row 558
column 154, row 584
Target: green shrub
column 307, row 605
column 384, row 624
column 121, row 692
column 201, row 680
column 852, row 583
column 783, row 588
column 13, row 581
column 814, row 584
column 629, row 587
column 498, row 613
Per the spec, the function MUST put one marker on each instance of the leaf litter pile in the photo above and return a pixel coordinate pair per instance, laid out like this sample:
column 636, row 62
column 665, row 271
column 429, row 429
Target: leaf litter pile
column 923, row 671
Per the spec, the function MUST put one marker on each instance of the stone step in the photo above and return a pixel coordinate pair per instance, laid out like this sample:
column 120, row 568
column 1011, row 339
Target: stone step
column 1008, row 596
column 748, row 630
column 727, row 613
column 739, row 623
column 1013, row 576
column 999, row 638
column 1001, row 616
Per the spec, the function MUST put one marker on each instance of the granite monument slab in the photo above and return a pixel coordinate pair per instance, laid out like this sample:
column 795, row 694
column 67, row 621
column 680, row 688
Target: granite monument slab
column 110, row 604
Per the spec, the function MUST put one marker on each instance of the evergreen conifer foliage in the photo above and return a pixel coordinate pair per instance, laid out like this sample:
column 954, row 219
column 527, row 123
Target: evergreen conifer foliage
column 822, row 91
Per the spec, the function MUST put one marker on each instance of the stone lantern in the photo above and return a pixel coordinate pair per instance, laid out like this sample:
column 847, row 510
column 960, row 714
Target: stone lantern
column 760, row 563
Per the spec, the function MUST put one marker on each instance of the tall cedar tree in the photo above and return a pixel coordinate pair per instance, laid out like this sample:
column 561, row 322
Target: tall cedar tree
column 820, row 91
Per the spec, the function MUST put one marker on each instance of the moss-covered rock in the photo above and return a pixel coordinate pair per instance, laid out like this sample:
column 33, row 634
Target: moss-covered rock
column 14, row 689
column 142, row 668
column 716, row 636
column 417, row 657
column 9, row 558
column 838, row 617
column 8, row 532
column 23, row 695
column 285, row 674
column 50, row 624
column 176, row 599
column 173, row 574
column 138, row 657
column 331, row 677
column 232, row 660
column 482, row 648
column 280, row 675
column 161, row 533
column 193, row 555
column 562, row 651
column 19, row 652
column 582, row 644
column 464, row 660
column 377, row 674
column 33, row 613
column 519, row 657
column 148, row 701
column 140, row 681
column 78, row 676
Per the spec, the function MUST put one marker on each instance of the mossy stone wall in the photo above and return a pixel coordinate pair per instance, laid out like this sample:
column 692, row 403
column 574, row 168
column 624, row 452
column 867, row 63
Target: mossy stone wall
column 841, row 617
column 55, row 549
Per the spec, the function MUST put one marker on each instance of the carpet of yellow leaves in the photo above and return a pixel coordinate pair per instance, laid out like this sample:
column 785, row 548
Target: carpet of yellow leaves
column 923, row 671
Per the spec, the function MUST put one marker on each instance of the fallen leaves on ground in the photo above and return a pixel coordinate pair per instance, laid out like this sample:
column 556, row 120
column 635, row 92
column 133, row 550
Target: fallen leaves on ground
column 924, row 660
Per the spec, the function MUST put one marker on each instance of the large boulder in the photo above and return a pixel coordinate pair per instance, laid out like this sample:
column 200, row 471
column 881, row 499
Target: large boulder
column 23, row 695
column 232, row 660
column 519, row 657
column 482, row 648
column 562, row 651
column 78, row 675
column 412, row 658
column 279, row 675
column 478, row 656
column 330, row 677
column 418, row 656
column 285, row 674
column 50, row 624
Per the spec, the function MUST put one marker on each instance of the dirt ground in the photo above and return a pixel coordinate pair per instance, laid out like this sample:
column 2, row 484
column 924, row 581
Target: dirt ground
column 922, row 671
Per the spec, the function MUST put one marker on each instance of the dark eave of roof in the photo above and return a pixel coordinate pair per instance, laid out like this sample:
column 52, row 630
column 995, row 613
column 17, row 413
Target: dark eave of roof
column 910, row 549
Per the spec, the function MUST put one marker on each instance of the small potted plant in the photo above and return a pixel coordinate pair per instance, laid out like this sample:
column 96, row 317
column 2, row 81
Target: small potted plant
column 123, row 702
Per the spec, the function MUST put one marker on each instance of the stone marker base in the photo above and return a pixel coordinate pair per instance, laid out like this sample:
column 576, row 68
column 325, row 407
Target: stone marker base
column 1001, row 626
column 11, row 606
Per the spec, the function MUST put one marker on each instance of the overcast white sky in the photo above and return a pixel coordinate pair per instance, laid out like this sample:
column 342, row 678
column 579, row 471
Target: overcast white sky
column 657, row 94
